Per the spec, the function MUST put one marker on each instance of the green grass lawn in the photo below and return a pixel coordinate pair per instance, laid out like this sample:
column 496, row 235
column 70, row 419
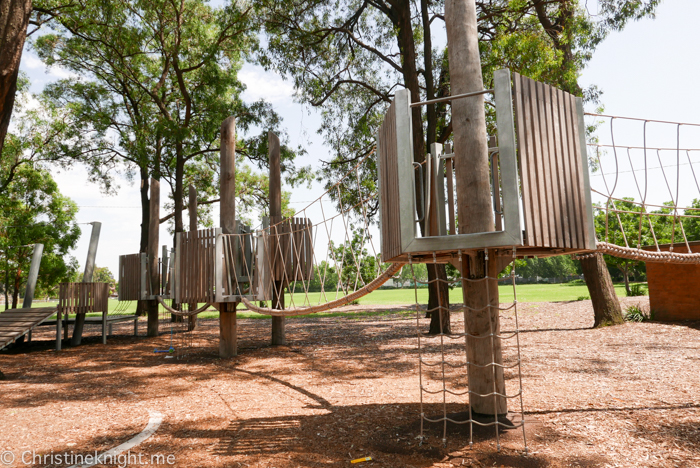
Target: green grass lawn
column 526, row 293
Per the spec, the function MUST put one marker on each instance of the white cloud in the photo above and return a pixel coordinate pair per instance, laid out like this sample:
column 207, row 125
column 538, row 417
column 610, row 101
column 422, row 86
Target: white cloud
column 32, row 62
column 266, row 85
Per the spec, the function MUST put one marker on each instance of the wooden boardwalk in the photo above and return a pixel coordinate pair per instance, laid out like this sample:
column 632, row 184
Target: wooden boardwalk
column 15, row 323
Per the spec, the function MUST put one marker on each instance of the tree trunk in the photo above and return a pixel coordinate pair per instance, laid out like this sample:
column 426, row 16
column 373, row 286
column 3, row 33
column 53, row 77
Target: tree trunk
column 228, row 326
column 438, row 292
column 14, row 20
column 192, row 319
column 279, row 336
column 152, row 250
column 481, row 316
column 626, row 276
column 440, row 315
column 606, row 306
column 15, row 293
column 178, row 197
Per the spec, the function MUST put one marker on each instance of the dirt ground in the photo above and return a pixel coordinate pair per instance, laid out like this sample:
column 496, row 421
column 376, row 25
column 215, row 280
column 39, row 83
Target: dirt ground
column 347, row 388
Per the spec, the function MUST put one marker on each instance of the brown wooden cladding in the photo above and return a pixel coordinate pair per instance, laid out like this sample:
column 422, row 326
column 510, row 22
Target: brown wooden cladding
column 387, row 153
column 550, row 165
column 197, row 265
column 82, row 298
column 130, row 277
column 291, row 249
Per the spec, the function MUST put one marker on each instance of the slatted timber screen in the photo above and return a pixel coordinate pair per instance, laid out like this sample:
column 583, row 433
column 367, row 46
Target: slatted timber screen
column 197, row 254
column 238, row 266
column 130, row 277
column 291, row 249
column 387, row 154
column 550, row 164
column 82, row 298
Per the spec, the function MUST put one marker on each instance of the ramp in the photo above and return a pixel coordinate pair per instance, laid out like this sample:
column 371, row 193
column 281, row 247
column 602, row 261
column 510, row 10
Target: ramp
column 15, row 323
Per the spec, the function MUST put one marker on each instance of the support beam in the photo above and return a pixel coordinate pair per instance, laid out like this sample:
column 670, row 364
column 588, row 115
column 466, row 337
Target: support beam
column 33, row 275
column 228, row 330
column 87, row 278
column 152, row 252
column 474, row 206
column 192, row 319
column 278, row 329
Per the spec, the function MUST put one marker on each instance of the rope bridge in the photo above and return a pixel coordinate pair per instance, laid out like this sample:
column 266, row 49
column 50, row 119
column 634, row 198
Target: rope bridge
column 644, row 186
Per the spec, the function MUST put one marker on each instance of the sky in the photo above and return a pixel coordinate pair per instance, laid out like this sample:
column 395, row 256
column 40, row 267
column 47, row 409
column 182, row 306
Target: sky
column 649, row 70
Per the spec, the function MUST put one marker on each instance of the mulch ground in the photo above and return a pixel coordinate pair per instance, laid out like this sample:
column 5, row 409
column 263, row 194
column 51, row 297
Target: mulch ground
column 346, row 388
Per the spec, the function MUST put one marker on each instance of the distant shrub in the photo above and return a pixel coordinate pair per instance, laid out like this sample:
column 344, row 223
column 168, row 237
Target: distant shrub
column 582, row 298
column 637, row 290
column 637, row 313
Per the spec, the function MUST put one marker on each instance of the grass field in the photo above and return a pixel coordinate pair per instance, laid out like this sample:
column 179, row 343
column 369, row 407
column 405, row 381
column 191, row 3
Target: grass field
column 526, row 293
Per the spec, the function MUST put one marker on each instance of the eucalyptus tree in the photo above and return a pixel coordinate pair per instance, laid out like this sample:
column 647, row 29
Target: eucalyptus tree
column 154, row 81
column 348, row 57
column 33, row 210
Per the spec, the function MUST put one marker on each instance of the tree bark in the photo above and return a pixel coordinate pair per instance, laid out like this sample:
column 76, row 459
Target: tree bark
column 152, row 251
column 438, row 291
column 606, row 306
column 14, row 20
column 278, row 323
column 481, row 315
column 192, row 319
column 228, row 327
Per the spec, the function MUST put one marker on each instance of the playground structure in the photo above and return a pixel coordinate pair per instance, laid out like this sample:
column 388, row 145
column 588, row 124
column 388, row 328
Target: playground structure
column 542, row 199
column 542, row 206
column 82, row 300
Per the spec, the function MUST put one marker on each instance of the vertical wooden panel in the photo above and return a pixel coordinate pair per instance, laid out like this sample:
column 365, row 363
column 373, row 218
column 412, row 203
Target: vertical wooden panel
column 571, row 194
column 577, row 176
column 551, row 166
column 524, row 152
column 389, row 186
column 555, row 180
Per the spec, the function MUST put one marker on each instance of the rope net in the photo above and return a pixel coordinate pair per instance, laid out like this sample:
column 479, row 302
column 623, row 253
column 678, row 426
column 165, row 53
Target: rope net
column 646, row 194
column 324, row 256
column 445, row 363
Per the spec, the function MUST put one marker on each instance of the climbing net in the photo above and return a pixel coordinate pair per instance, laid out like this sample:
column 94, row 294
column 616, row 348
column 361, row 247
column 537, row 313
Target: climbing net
column 645, row 188
column 448, row 360
column 324, row 256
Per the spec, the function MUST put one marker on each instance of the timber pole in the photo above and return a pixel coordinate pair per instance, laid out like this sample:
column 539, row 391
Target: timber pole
column 474, row 208
column 192, row 206
column 87, row 278
column 278, row 331
column 228, row 326
column 152, row 254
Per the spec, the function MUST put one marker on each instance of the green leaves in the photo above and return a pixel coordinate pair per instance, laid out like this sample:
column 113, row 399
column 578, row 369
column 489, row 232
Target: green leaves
column 32, row 210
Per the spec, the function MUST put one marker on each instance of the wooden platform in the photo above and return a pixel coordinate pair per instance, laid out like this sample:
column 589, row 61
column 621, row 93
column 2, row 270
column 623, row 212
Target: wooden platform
column 15, row 323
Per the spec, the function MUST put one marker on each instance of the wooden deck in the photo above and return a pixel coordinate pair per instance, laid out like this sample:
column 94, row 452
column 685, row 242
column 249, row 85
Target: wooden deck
column 15, row 323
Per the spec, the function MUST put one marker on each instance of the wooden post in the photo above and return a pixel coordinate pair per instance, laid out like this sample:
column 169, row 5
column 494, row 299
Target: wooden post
column 33, row 275
column 152, row 253
column 228, row 327
column 87, row 278
column 278, row 331
column 192, row 319
column 474, row 206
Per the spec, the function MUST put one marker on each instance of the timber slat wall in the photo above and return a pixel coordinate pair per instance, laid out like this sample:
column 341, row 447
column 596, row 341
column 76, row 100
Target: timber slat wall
column 291, row 248
column 197, row 263
column 130, row 277
column 550, row 164
column 387, row 153
column 82, row 298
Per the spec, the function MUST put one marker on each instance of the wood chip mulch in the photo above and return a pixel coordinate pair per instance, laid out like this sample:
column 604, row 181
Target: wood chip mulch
column 346, row 388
